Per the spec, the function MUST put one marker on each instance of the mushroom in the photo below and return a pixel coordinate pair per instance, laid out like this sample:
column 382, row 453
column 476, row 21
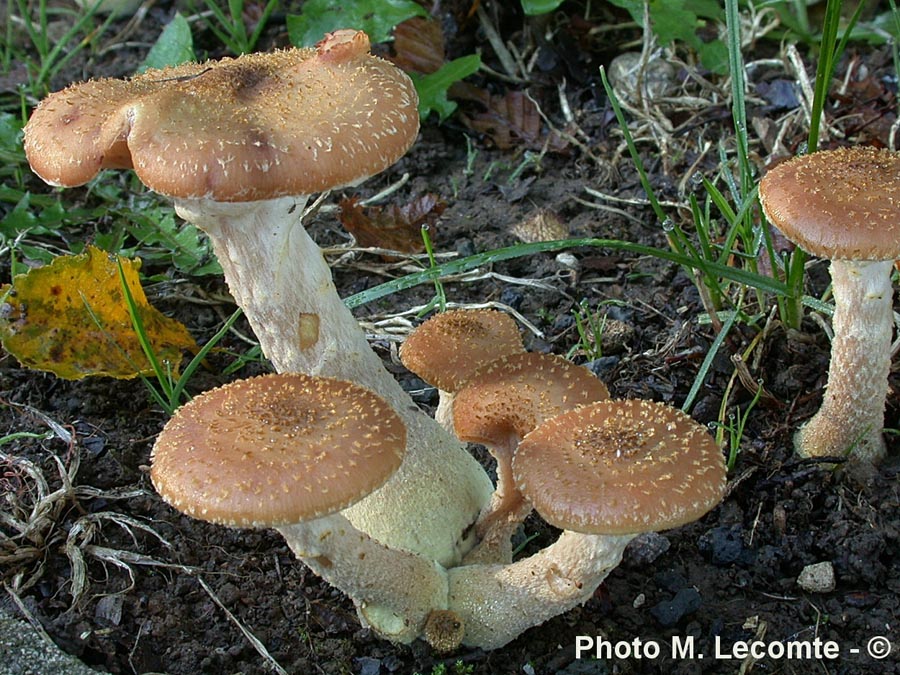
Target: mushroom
column 844, row 205
column 240, row 144
column 502, row 402
column 290, row 451
column 602, row 473
column 447, row 348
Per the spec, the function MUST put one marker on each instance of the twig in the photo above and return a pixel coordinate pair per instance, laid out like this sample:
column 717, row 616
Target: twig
column 506, row 59
column 257, row 645
column 39, row 629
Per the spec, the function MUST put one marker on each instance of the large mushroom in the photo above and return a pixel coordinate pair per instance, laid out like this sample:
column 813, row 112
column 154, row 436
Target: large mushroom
column 602, row 473
column 239, row 144
column 290, row 451
column 844, row 205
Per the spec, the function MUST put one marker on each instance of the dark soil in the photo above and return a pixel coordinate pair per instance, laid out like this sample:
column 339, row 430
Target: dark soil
column 731, row 576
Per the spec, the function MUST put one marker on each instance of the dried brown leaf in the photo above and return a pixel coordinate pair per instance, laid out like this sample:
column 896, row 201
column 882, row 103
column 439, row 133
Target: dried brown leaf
column 512, row 120
column 544, row 225
column 419, row 45
column 397, row 228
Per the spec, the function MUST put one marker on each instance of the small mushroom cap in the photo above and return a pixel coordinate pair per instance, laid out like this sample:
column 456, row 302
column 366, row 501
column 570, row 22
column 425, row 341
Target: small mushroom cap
column 839, row 204
column 512, row 395
column 446, row 349
column 256, row 127
column 275, row 450
column 620, row 467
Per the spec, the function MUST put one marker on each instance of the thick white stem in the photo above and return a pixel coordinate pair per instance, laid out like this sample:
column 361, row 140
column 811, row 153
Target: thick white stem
column 394, row 591
column 499, row 602
column 852, row 414
column 278, row 275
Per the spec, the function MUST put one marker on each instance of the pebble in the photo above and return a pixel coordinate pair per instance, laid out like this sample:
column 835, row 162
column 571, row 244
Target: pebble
column 669, row 612
column 368, row 665
column 725, row 546
column 645, row 548
column 817, row 578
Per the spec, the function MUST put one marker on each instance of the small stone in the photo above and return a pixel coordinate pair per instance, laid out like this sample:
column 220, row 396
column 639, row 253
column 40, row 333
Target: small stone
column 645, row 548
column 817, row 578
column 368, row 665
column 567, row 261
column 669, row 612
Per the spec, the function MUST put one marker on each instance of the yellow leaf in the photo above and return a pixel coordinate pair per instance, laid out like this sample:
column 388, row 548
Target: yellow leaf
column 71, row 318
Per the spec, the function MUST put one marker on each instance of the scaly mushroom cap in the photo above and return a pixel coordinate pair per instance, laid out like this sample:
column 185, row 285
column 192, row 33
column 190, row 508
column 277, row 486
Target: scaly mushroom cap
column 620, row 467
column 276, row 450
column 447, row 348
column 838, row 204
column 256, row 127
column 512, row 395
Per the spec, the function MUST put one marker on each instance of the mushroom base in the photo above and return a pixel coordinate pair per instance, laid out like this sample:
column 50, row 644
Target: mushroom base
column 394, row 591
column 497, row 603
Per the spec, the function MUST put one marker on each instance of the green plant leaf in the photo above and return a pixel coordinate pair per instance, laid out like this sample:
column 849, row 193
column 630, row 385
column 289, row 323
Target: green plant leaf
column 376, row 17
column 538, row 7
column 433, row 87
column 163, row 238
column 174, row 46
column 11, row 138
column 679, row 21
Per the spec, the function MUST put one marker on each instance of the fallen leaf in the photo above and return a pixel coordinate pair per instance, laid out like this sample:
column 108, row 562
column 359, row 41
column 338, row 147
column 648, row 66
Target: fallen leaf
column 398, row 228
column 544, row 225
column 419, row 45
column 71, row 318
column 510, row 120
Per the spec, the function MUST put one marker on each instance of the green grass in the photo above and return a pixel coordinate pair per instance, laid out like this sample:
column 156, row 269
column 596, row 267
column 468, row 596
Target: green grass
column 230, row 25
column 169, row 392
column 46, row 53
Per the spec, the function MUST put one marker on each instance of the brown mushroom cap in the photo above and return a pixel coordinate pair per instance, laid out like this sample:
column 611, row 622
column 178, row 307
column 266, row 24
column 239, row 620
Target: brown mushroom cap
column 838, row 204
column 620, row 467
column 275, row 450
column 512, row 395
column 256, row 127
column 447, row 348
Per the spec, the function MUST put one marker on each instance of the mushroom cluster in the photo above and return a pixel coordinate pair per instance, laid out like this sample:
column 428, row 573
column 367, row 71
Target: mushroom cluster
column 367, row 489
column 601, row 470
column 294, row 451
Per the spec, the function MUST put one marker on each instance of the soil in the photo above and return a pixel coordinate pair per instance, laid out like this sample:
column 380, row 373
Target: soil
column 167, row 594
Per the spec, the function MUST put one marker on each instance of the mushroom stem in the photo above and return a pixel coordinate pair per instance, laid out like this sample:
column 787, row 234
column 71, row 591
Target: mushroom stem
column 498, row 602
column 507, row 509
column 279, row 277
column 851, row 418
column 394, row 591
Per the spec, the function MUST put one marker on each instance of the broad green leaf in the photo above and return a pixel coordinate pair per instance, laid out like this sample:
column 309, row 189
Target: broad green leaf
column 70, row 318
column 679, row 21
column 433, row 87
column 174, row 46
column 376, row 17
column 538, row 7
column 161, row 237
column 10, row 137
